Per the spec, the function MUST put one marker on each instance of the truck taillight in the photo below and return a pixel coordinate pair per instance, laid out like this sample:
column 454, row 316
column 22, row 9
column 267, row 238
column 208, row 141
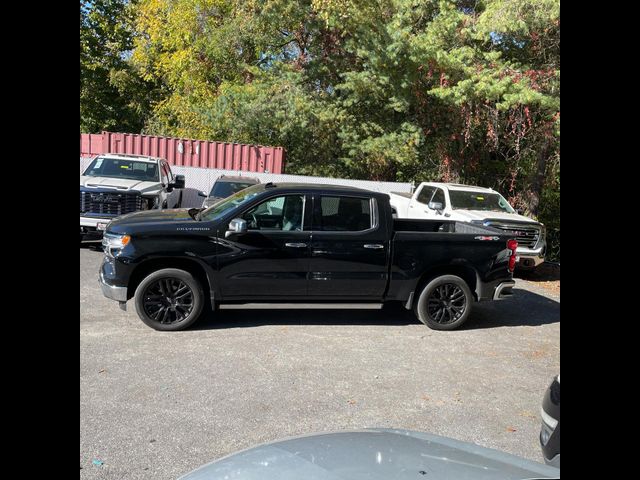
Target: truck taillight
column 512, row 245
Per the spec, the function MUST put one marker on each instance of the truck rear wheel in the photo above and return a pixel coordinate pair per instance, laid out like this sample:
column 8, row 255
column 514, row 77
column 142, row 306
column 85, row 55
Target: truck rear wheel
column 169, row 299
column 444, row 303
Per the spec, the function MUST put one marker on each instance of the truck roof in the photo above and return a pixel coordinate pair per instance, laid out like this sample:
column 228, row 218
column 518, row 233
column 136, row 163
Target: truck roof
column 312, row 187
column 127, row 156
column 459, row 186
column 230, row 178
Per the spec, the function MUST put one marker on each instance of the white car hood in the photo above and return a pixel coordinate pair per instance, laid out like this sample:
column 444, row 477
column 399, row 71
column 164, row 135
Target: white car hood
column 470, row 215
column 120, row 184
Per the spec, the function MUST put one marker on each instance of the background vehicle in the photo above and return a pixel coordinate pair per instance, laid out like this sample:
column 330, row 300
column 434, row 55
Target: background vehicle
column 186, row 198
column 226, row 186
column 257, row 246
column 550, row 431
column 374, row 454
column 479, row 205
column 117, row 184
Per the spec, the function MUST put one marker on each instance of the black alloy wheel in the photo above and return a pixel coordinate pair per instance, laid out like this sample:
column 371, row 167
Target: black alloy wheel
column 446, row 304
column 168, row 300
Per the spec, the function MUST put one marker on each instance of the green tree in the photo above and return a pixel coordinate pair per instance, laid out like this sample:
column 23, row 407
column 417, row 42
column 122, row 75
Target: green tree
column 405, row 90
column 112, row 95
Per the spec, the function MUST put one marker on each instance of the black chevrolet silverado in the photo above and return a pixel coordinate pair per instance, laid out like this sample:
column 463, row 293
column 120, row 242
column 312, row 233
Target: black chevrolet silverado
column 301, row 244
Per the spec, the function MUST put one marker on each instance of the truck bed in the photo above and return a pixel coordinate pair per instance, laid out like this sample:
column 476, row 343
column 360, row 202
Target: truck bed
column 446, row 226
column 421, row 245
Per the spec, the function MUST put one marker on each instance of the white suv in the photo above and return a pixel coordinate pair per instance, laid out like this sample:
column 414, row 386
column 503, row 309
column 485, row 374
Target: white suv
column 115, row 184
column 468, row 203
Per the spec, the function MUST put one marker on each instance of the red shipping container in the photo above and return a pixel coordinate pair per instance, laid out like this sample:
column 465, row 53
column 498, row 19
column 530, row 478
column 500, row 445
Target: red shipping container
column 186, row 152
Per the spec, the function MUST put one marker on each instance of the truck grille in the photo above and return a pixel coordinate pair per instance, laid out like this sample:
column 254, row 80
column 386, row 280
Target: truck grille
column 109, row 203
column 526, row 236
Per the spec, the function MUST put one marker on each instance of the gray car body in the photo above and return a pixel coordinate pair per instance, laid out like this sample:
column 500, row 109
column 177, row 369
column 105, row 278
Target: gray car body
column 372, row 454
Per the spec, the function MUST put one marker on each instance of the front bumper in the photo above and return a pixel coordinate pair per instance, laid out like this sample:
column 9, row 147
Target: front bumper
column 530, row 257
column 110, row 291
column 89, row 226
column 94, row 221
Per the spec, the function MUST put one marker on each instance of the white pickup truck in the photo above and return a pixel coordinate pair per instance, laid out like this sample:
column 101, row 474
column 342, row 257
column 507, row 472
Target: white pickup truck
column 467, row 203
column 115, row 184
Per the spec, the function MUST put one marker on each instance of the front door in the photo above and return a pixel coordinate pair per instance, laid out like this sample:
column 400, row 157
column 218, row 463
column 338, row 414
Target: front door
column 418, row 207
column 271, row 259
column 348, row 250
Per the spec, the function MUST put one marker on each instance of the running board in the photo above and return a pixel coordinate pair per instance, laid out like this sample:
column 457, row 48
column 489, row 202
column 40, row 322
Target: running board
column 301, row 306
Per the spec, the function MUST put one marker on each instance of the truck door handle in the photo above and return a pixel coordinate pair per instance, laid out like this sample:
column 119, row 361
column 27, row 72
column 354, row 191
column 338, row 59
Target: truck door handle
column 375, row 246
column 319, row 252
column 295, row 245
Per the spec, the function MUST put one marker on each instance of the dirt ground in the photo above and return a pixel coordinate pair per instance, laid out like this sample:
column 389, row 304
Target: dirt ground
column 546, row 276
column 155, row 405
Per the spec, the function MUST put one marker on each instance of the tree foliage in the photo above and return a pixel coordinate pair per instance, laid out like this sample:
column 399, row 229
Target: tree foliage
column 113, row 96
column 405, row 90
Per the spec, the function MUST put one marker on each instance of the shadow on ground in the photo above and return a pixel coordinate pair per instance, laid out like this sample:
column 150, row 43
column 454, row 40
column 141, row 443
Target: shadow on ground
column 94, row 245
column 523, row 309
column 547, row 272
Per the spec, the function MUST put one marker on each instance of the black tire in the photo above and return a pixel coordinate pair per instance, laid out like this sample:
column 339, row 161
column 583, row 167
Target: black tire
column 169, row 299
column 444, row 303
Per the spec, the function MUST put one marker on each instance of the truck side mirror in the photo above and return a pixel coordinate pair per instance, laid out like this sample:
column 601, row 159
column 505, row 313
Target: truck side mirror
column 178, row 182
column 237, row 225
column 435, row 206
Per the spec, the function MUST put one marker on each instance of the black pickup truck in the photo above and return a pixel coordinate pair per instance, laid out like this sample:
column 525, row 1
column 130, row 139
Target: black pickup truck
column 301, row 244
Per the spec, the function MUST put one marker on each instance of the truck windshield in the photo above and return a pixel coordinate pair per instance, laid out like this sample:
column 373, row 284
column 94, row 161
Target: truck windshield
column 224, row 189
column 469, row 200
column 220, row 209
column 125, row 169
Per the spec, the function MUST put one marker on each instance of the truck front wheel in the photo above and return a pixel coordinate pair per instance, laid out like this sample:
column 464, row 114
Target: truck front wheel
column 169, row 299
column 444, row 303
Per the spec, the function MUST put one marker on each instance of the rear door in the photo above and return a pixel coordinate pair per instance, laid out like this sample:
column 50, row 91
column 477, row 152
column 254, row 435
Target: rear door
column 348, row 249
column 272, row 258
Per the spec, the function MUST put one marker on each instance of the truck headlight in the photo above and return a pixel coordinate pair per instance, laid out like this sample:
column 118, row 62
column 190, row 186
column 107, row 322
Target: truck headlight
column 111, row 241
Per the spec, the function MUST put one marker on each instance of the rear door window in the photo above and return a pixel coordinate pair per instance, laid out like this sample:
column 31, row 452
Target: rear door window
column 344, row 214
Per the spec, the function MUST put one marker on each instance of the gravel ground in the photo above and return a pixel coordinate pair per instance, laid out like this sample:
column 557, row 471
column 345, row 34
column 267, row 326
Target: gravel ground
column 156, row 405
